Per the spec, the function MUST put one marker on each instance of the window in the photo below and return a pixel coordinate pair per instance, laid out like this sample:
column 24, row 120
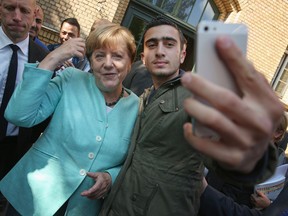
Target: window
column 280, row 81
column 189, row 11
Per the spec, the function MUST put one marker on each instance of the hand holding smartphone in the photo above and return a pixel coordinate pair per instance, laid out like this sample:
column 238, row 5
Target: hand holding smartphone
column 208, row 64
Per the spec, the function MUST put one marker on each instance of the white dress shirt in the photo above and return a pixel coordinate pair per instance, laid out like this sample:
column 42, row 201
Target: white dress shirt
column 5, row 56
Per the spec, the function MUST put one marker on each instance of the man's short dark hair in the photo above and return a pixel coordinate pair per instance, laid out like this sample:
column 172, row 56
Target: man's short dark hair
column 71, row 21
column 160, row 20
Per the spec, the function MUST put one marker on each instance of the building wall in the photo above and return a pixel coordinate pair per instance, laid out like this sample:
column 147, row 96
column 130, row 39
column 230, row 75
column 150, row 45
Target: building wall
column 86, row 11
column 267, row 40
column 266, row 19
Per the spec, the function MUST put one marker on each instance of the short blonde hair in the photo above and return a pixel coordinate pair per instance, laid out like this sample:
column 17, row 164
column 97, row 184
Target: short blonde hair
column 110, row 35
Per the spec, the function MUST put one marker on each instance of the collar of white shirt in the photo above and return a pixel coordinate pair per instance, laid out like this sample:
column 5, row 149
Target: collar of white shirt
column 5, row 41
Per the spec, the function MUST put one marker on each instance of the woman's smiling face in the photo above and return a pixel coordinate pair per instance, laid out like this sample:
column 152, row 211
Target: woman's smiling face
column 110, row 66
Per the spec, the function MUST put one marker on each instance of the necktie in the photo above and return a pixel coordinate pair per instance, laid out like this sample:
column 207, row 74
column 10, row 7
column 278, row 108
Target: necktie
column 9, row 88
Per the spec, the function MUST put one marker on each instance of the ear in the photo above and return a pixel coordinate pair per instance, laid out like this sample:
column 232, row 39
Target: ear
column 183, row 54
column 277, row 134
column 142, row 57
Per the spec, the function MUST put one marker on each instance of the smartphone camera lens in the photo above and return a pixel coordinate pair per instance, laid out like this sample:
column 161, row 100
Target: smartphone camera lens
column 206, row 28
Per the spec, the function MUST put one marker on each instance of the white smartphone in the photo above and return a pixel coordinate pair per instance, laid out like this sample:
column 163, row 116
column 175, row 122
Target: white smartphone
column 208, row 64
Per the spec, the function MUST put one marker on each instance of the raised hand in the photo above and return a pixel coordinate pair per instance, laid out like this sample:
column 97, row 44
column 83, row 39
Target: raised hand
column 72, row 47
column 245, row 124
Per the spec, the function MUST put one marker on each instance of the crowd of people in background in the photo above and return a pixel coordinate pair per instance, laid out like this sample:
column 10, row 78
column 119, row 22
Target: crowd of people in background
column 86, row 130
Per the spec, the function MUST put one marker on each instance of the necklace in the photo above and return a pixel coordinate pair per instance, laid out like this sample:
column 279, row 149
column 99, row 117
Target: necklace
column 115, row 102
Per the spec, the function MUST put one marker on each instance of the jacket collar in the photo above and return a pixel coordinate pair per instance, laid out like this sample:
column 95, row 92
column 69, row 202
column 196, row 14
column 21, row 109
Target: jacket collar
column 149, row 93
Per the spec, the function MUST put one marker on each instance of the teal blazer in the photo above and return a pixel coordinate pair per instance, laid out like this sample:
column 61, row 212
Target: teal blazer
column 81, row 137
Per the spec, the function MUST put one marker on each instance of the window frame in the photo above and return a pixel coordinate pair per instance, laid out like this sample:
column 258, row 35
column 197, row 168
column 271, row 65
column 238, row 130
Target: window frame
column 175, row 11
column 283, row 68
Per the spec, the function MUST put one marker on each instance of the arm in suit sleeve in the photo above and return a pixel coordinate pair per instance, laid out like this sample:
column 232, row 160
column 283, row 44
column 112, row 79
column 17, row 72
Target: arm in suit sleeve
column 213, row 202
column 262, row 171
column 114, row 171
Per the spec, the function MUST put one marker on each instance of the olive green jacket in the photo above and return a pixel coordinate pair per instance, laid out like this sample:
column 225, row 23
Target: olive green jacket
column 162, row 175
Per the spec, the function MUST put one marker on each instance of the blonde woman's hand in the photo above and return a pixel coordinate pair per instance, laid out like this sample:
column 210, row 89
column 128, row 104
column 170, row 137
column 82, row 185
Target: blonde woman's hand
column 101, row 187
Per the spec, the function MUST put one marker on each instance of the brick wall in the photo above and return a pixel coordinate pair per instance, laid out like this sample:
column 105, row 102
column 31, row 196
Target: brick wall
column 267, row 21
column 86, row 11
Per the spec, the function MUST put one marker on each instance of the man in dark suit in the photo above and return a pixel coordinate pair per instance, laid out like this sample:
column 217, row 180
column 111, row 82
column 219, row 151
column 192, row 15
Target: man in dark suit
column 17, row 17
column 36, row 27
column 138, row 79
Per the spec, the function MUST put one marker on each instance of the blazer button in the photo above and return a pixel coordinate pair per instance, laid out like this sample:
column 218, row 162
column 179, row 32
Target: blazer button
column 91, row 155
column 82, row 172
column 162, row 101
column 98, row 138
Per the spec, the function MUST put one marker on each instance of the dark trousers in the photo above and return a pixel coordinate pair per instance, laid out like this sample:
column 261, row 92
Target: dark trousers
column 8, row 154
column 11, row 211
